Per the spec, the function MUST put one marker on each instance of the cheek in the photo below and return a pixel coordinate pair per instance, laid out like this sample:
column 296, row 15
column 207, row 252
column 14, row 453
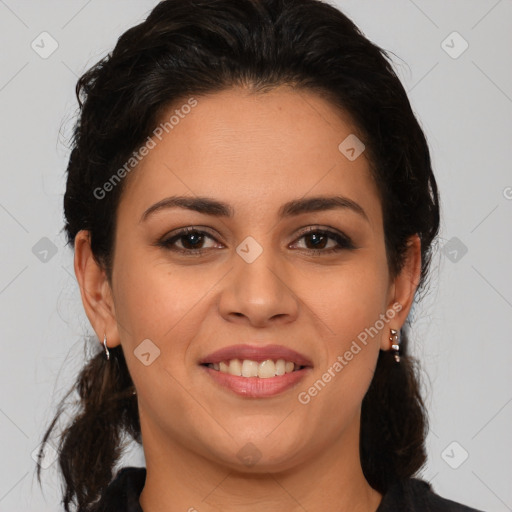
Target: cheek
column 153, row 296
column 350, row 299
column 350, row 303
column 351, row 333
column 157, row 304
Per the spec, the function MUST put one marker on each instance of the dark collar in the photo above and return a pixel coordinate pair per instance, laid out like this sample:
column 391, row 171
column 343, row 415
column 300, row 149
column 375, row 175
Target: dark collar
column 411, row 495
column 415, row 495
column 122, row 495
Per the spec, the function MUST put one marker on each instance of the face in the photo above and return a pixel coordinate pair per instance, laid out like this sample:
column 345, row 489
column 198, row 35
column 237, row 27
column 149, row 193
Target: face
column 266, row 267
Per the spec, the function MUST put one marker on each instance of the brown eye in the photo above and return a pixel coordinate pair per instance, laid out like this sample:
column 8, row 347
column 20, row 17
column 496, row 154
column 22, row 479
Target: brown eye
column 318, row 239
column 191, row 240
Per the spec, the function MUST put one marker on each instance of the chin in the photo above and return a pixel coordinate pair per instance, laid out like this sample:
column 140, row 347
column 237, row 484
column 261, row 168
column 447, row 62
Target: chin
column 259, row 455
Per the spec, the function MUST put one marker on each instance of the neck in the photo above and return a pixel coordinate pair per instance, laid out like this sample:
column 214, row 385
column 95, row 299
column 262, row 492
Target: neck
column 179, row 479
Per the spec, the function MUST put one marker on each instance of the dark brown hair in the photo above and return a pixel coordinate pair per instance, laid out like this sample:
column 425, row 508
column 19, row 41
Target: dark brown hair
column 191, row 47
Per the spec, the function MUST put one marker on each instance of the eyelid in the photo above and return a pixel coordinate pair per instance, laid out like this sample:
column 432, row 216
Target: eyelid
column 175, row 235
column 332, row 233
column 344, row 242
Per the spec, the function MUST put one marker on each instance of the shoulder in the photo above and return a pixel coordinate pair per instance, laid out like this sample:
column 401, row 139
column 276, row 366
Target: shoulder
column 122, row 494
column 416, row 495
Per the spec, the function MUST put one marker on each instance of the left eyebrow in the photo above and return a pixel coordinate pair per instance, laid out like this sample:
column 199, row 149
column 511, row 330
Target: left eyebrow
column 209, row 206
column 321, row 203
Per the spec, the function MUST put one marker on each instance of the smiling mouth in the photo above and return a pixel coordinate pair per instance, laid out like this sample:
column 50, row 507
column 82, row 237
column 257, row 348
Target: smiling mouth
column 248, row 368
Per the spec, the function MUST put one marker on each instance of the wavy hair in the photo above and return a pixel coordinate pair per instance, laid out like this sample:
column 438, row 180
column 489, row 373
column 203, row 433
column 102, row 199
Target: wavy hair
column 194, row 47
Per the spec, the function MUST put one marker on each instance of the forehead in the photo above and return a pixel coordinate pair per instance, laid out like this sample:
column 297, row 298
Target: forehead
column 252, row 149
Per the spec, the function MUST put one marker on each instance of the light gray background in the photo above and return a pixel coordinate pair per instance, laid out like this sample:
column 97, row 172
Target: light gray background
column 462, row 328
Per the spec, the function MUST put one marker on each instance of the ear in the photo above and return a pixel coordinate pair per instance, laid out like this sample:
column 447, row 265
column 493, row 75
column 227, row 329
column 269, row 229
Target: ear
column 403, row 288
column 95, row 291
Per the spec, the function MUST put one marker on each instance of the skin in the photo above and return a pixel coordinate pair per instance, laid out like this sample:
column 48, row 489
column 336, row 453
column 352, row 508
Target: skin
column 254, row 152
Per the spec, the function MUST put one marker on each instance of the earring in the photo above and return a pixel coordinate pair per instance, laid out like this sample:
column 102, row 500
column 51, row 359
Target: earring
column 107, row 353
column 395, row 343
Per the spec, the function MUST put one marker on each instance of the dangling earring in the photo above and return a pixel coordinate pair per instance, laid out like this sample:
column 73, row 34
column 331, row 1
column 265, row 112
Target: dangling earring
column 395, row 344
column 107, row 353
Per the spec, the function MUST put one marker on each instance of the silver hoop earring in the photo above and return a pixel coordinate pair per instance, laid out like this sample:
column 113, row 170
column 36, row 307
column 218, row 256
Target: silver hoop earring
column 395, row 344
column 107, row 353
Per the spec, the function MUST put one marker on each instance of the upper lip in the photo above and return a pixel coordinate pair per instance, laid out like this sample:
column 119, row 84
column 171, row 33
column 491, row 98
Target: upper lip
column 256, row 353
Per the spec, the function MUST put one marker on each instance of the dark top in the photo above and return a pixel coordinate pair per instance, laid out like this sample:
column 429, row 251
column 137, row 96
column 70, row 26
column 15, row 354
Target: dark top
column 411, row 495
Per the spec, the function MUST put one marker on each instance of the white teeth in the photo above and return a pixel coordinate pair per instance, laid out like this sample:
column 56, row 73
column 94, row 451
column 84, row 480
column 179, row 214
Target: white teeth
column 235, row 367
column 266, row 369
column 248, row 368
column 280, row 367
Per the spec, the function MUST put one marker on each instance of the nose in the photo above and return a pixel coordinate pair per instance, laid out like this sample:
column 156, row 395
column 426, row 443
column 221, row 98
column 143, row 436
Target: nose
column 259, row 293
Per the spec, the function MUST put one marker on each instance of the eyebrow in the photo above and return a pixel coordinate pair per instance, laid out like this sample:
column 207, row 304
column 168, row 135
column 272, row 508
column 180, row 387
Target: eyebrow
column 209, row 206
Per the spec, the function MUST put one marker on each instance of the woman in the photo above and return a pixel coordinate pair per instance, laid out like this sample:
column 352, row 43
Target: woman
column 252, row 208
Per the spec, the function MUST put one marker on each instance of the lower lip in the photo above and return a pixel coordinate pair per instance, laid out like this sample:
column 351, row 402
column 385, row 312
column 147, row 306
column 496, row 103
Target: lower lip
column 254, row 387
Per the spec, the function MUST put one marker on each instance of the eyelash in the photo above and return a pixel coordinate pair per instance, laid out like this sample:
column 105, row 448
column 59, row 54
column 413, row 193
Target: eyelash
column 343, row 241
